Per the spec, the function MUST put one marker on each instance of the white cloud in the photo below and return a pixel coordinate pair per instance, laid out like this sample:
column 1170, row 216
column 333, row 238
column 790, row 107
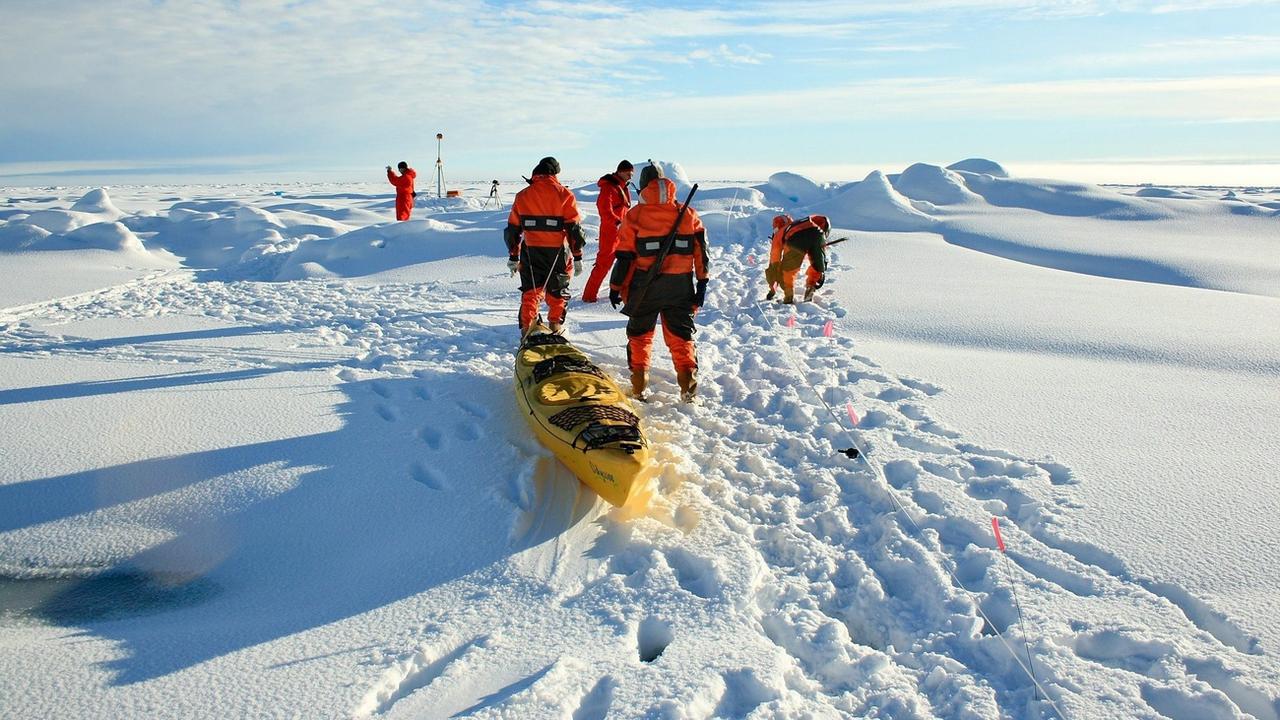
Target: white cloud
column 1184, row 52
column 1202, row 99
column 722, row 55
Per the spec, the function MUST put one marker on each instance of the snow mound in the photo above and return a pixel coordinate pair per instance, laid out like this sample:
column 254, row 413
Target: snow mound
column 431, row 205
column 670, row 170
column 934, row 184
column 105, row 236
column 725, row 199
column 796, row 188
column 979, row 166
column 251, row 218
column 378, row 248
column 21, row 236
column 345, row 215
column 309, row 271
column 874, row 205
column 1159, row 192
column 93, row 207
column 96, row 202
column 181, row 214
column 1063, row 198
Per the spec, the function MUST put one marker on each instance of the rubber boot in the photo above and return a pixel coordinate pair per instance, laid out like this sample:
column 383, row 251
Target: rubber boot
column 639, row 383
column 688, row 380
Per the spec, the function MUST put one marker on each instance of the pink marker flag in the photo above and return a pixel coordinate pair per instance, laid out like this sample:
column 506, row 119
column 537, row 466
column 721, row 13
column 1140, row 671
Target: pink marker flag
column 791, row 321
column 853, row 416
column 995, row 525
column 751, row 259
column 829, row 329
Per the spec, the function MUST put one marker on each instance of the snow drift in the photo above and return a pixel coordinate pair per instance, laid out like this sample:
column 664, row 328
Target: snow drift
column 933, row 184
column 873, row 204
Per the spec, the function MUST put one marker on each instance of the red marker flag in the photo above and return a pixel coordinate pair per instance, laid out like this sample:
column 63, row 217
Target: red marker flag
column 995, row 525
column 751, row 259
column 791, row 321
column 853, row 416
column 829, row 329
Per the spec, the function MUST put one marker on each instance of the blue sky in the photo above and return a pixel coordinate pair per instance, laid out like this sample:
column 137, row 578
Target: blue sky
column 728, row 89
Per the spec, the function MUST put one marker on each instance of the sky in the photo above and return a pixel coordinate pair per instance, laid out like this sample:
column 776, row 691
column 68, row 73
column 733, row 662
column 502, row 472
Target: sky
column 1105, row 90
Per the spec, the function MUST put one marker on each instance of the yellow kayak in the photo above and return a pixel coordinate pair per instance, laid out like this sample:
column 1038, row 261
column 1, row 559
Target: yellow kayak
column 581, row 415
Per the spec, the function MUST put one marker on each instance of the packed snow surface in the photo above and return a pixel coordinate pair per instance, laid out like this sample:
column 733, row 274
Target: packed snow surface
column 261, row 458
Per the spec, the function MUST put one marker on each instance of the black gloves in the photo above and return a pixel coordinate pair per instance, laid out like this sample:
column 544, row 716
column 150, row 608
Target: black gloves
column 700, row 295
column 615, row 298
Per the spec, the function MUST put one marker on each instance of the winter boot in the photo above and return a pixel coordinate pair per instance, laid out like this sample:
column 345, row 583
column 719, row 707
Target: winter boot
column 808, row 293
column 772, row 293
column 688, row 380
column 639, row 383
column 557, row 327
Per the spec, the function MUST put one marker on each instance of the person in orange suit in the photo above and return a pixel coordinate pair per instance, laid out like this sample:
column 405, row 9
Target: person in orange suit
column 773, row 272
column 544, row 244
column 612, row 203
column 676, row 292
column 404, row 189
column 806, row 237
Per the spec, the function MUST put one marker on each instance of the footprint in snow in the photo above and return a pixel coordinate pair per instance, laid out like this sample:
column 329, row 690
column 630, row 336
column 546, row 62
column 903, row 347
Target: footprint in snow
column 424, row 474
column 743, row 693
column 467, row 432
column 922, row 445
column 381, row 389
column 652, row 638
column 387, row 412
column 474, row 409
column 927, row 388
column 596, row 703
column 1059, row 474
column 894, row 394
column 695, row 574
column 430, row 436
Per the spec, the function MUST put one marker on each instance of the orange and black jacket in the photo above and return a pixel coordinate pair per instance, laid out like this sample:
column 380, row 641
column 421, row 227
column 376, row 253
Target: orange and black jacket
column 809, row 235
column 544, row 215
column 646, row 226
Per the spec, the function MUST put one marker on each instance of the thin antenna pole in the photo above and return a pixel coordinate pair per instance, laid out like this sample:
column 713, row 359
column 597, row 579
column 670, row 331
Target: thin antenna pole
column 439, row 167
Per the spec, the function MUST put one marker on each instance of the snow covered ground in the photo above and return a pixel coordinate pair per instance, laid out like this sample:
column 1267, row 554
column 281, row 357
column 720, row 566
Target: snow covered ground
column 259, row 457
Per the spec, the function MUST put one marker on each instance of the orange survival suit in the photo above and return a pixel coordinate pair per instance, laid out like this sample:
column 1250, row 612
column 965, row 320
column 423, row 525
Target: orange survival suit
column 404, row 191
column 672, row 293
column 793, row 241
column 543, row 233
column 612, row 203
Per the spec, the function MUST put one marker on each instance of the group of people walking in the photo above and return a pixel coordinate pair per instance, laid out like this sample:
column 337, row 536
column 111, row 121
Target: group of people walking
column 653, row 251
column 647, row 281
